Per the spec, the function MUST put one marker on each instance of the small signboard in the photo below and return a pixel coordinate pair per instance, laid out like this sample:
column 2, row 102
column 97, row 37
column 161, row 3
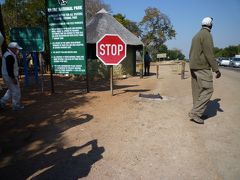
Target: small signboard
column 67, row 36
column 31, row 39
column 161, row 56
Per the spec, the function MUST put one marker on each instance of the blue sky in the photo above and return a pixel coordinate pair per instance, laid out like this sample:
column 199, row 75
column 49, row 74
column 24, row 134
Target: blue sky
column 186, row 17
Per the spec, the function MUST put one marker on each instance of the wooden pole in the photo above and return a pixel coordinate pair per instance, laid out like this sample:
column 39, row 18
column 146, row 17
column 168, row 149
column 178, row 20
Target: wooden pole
column 157, row 71
column 183, row 70
column 51, row 71
column 85, row 36
column 141, row 70
column 42, row 71
column 111, row 79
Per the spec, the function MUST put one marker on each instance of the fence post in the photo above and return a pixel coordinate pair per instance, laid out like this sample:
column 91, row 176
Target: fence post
column 183, row 70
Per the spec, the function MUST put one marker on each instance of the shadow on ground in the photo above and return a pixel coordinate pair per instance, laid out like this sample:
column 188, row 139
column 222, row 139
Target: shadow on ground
column 55, row 163
column 213, row 108
column 31, row 139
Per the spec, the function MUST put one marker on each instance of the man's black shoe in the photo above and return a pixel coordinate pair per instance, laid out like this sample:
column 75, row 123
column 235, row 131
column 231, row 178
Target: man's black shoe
column 197, row 120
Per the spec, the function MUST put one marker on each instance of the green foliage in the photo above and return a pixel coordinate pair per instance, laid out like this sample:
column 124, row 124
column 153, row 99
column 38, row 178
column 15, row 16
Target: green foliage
column 23, row 13
column 130, row 25
column 163, row 48
column 97, row 70
column 26, row 13
column 229, row 51
column 157, row 28
column 175, row 54
column 121, row 19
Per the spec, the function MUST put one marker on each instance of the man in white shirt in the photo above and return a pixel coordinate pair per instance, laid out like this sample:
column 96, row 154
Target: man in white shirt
column 10, row 77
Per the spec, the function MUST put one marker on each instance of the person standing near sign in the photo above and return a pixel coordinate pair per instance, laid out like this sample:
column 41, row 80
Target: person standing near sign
column 147, row 61
column 1, row 42
column 10, row 76
column 202, row 61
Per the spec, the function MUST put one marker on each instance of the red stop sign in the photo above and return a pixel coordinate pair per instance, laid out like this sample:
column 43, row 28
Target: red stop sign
column 111, row 49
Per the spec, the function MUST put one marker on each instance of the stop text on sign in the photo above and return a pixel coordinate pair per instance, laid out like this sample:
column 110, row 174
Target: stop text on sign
column 111, row 49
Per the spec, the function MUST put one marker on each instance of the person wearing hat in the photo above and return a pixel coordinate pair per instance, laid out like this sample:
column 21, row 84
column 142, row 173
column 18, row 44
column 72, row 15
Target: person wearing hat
column 10, row 77
column 202, row 63
column 1, row 42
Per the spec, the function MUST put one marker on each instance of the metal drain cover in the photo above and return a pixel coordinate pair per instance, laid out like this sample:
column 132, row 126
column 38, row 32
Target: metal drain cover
column 151, row 96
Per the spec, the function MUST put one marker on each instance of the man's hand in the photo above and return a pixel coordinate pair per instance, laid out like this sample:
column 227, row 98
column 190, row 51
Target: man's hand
column 218, row 74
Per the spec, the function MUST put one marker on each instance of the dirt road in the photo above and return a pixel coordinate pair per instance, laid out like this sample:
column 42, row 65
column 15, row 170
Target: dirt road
column 72, row 135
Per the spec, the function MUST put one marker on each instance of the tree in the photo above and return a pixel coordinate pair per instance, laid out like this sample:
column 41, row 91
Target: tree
column 163, row 48
column 130, row 25
column 93, row 6
column 175, row 54
column 23, row 13
column 156, row 27
column 2, row 30
column 229, row 51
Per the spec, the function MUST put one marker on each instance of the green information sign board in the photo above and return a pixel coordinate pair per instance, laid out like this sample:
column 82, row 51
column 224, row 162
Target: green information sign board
column 31, row 39
column 66, row 21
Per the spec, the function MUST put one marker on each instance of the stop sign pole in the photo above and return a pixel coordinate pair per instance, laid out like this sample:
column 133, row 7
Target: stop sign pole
column 111, row 50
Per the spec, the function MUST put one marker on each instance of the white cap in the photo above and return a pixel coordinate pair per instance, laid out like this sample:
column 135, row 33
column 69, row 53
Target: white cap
column 207, row 21
column 14, row 45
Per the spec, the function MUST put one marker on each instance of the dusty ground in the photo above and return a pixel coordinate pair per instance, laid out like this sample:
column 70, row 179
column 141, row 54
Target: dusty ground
column 70, row 134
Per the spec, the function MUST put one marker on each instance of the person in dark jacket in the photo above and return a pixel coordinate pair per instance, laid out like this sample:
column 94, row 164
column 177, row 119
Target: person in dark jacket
column 10, row 77
column 147, row 61
column 1, row 42
column 202, row 63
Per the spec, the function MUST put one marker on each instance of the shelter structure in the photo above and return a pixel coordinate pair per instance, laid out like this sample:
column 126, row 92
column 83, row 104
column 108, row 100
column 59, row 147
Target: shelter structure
column 104, row 23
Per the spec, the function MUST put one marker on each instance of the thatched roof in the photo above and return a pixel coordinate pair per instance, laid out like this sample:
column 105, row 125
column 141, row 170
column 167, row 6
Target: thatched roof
column 103, row 23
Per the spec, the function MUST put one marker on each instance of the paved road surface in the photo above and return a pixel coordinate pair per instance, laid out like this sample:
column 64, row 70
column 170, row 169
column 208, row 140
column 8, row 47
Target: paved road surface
column 230, row 68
